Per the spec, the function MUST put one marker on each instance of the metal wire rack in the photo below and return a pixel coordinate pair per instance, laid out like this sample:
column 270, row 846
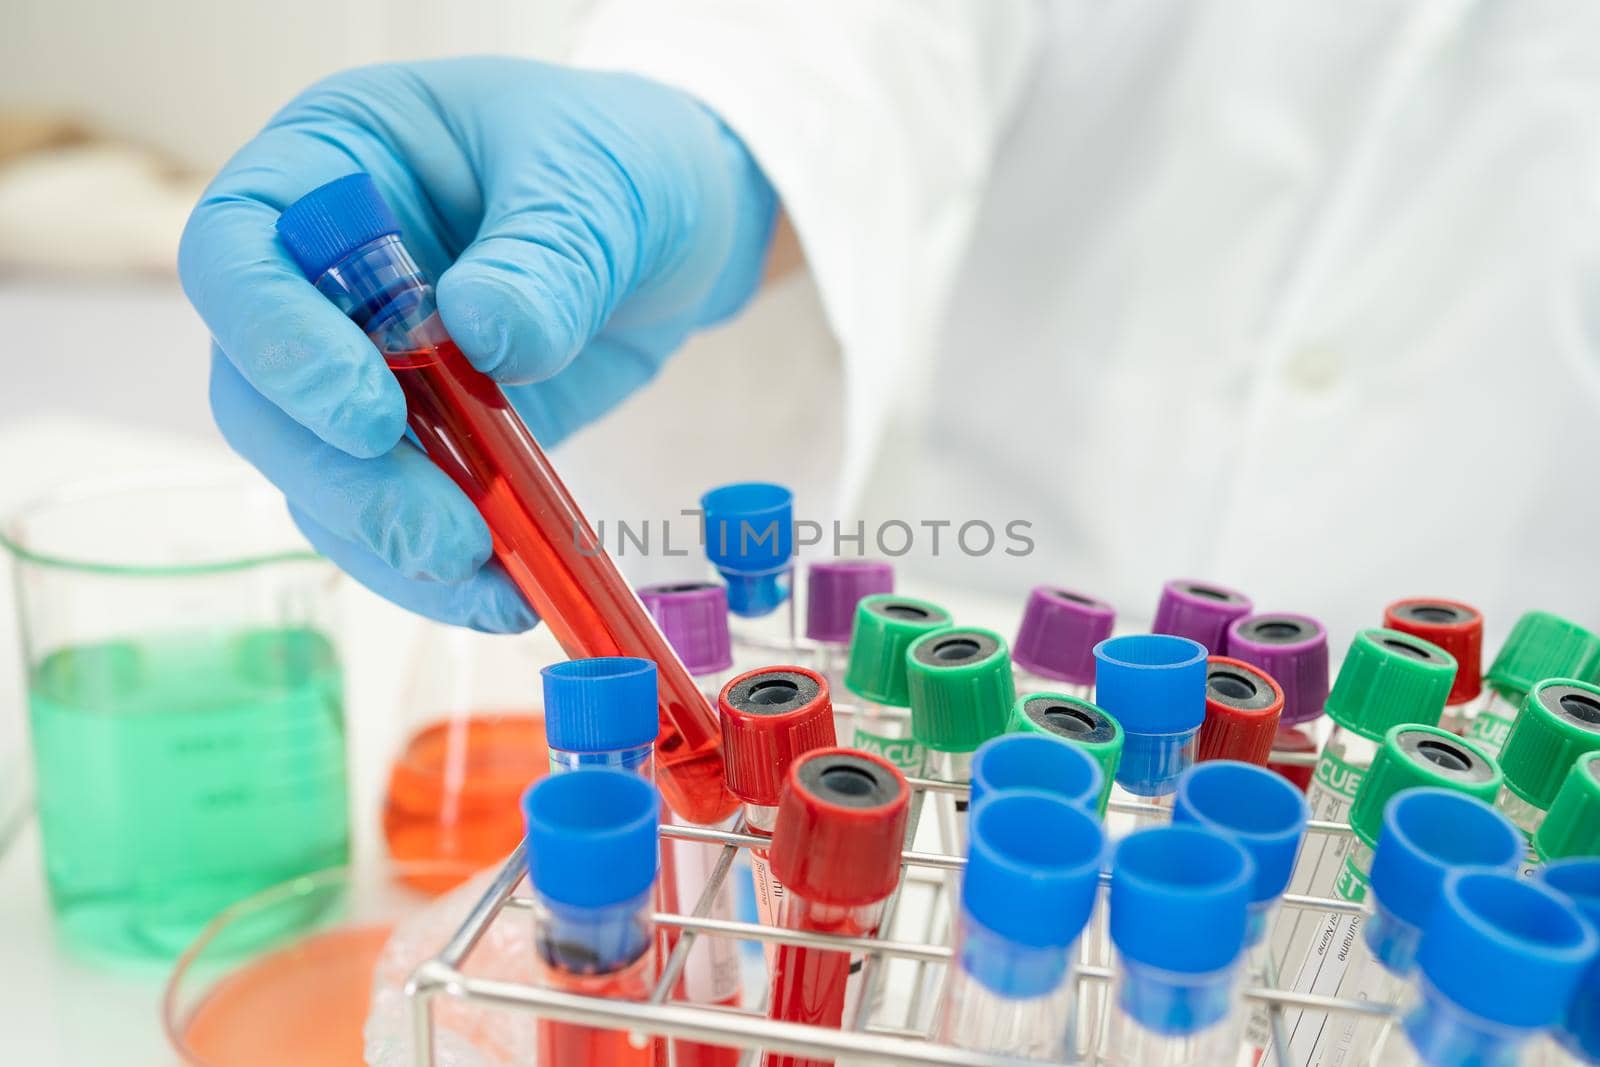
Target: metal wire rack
column 877, row 1031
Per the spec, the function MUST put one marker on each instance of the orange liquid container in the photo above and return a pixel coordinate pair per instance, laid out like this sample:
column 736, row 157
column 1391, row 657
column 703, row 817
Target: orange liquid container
column 453, row 792
column 469, row 429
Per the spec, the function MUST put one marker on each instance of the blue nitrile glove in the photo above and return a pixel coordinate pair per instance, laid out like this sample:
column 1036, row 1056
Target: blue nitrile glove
column 579, row 225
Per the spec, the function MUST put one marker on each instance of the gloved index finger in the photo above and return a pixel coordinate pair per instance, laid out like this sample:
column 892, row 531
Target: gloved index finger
column 290, row 343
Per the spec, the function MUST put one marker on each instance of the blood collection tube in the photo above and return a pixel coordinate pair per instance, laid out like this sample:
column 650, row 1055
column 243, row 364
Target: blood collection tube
column 1293, row 651
column 1388, row 678
column 1576, row 1038
column 1242, row 709
column 749, row 539
column 1080, row 724
column 1054, row 649
column 885, row 627
column 1539, row 646
column 1040, row 763
column 592, row 865
column 1560, row 722
column 346, row 241
column 1427, row 832
column 1032, row 873
column 1200, row 611
column 1498, row 965
column 1458, row 629
column 1155, row 686
column 601, row 713
column 1572, row 825
column 833, row 589
column 1180, row 900
column 1330, row 957
column 836, row 848
column 961, row 692
column 770, row 718
column 694, row 618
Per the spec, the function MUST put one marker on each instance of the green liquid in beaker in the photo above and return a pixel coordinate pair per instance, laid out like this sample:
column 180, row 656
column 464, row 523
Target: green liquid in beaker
column 181, row 772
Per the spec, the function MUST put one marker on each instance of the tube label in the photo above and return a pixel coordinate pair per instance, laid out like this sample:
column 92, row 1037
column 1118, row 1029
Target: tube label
column 1490, row 732
column 903, row 752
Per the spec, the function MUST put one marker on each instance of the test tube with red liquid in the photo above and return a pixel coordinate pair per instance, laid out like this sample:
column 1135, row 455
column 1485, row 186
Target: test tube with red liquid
column 346, row 240
column 592, row 865
column 836, row 849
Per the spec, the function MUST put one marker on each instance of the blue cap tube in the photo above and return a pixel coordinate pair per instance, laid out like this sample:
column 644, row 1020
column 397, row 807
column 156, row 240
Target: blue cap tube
column 1260, row 811
column 601, row 712
column 1035, row 761
column 592, row 862
column 1426, row 834
column 749, row 535
column 1155, row 686
column 1180, row 898
column 1578, row 880
column 1500, row 960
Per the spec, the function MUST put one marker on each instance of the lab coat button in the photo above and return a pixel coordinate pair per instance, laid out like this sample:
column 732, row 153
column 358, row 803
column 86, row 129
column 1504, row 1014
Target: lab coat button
column 1313, row 370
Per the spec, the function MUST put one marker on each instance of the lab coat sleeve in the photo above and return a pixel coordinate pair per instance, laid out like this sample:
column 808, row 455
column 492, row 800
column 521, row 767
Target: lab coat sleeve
column 876, row 121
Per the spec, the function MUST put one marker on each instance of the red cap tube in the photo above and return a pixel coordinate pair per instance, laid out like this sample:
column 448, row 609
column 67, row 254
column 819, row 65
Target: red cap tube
column 1453, row 626
column 1243, row 705
column 841, row 824
column 770, row 717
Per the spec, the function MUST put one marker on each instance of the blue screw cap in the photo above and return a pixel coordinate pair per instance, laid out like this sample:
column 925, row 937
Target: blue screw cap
column 1578, row 879
column 1506, row 949
column 749, row 534
column 606, row 704
column 1260, row 811
column 1179, row 899
column 1039, row 762
column 591, row 837
column 1155, row 686
column 1033, row 867
column 332, row 221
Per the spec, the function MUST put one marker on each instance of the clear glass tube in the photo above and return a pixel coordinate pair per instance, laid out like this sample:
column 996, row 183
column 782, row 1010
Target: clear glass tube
column 817, row 986
column 885, row 731
column 605, row 952
column 1162, row 1019
column 1008, row 998
column 1434, row 1032
column 640, row 760
column 1028, row 682
column 955, row 767
column 1525, row 816
column 758, row 638
column 1489, row 724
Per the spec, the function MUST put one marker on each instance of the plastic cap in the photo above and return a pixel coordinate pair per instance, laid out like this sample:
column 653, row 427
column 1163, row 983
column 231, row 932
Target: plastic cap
column 693, row 617
column 1560, row 721
column 960, row 686
column 591, row 836
column 1256, row 809
column 1179, row 899
column 1579, row 881
column 1038, row 762
column 1200, row 611
column 1152, row 684
column 1080, row 724
column 1506, row 949
column 1412, row 757
column 1426, row 834
column 834, row 588
column 607, row 704
column 840, row 827
column 1058, row 633
column 1033, row 867
column 770, row 717
column 1389, row 678
column 1543, row 646
column 1293, row 650
column 1572, row 825
column 1243, row 706
column 332, row 221
column 885, row 627
column 749, row 532
column 1453, row 626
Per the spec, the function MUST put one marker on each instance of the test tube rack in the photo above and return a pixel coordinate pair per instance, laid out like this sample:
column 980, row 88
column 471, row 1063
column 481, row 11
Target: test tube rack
column 866, row 1035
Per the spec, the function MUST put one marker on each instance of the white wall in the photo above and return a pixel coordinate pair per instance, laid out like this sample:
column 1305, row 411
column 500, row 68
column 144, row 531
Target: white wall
column 197, row 77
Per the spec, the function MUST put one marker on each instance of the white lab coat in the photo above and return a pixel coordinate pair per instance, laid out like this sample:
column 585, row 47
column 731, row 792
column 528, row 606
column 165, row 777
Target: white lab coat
column 1296, row 296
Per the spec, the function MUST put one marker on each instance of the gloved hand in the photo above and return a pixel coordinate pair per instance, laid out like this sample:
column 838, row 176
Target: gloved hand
column 579, row 226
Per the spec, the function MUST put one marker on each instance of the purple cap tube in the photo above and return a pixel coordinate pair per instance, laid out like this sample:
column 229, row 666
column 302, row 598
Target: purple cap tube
column 834, row 587
column 1293, row 649
column 693, row 617
column 1058, row 633
column 1200, row 611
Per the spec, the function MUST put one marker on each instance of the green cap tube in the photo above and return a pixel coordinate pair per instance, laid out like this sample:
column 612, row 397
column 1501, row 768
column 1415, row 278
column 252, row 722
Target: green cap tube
column 1389, row 678
column 959, row 679
column 1572, row 825
column 1411, row 757
column 885, row 625
column 1540, row 646
column 1077, row 722
column 1559, row 721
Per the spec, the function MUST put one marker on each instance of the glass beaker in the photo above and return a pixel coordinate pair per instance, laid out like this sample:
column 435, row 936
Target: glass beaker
column 475, row 741
column 185, row 701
